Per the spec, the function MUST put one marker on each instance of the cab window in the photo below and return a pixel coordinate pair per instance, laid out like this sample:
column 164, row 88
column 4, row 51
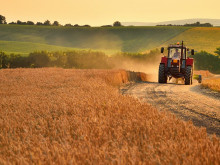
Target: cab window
column 175, row 53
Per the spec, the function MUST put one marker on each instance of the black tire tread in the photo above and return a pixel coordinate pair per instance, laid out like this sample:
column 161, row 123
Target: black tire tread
column 188, row 75
column 161, row 75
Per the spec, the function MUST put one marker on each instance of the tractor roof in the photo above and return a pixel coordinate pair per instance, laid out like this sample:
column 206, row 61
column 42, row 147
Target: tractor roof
column 176, row 46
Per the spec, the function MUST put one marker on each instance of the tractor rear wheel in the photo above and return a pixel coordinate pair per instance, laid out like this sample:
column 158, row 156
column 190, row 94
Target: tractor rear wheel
column 162, row 78
column 188, row 75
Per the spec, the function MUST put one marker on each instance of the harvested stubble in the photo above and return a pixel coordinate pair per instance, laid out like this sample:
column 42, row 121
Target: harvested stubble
column 67, row 116
column 213, row 84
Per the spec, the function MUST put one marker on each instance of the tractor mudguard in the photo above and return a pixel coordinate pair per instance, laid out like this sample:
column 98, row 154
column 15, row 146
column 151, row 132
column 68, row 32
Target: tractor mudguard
column 164, row 61
column 189, row 62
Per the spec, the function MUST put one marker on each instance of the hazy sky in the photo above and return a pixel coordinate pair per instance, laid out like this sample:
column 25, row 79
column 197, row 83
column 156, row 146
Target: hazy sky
column 101, row 12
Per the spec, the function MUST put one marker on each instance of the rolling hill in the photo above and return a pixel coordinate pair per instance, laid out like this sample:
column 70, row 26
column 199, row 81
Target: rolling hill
column 127, row 39
column 214, row 22
column 199, row 38
column 23, row 39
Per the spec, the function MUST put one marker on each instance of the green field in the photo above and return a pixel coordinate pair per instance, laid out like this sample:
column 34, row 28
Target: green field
column 114, row 39
column 25, row 48
column 24, row 39
column 199, row 38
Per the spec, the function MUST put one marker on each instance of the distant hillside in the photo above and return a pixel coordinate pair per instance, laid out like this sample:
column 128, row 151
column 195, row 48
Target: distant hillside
column 214, row 22
column 199, row 38
column 26, row 38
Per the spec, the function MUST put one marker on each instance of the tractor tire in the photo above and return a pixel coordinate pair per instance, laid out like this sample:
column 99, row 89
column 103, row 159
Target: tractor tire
column 200, row 79
column 162, row 78
column 188, row 75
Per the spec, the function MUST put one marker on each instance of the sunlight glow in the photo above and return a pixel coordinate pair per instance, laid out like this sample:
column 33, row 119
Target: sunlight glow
column 100, row 12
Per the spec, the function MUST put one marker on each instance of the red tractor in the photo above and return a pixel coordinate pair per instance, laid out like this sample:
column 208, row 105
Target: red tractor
column 176, row 64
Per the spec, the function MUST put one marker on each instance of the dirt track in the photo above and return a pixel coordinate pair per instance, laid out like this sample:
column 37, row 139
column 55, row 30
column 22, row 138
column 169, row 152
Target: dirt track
column 202, row 106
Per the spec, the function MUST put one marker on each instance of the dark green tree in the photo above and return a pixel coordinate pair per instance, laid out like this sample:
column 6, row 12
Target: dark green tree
column 12, row 23
column 207, row 61
column 4, row 60
column 2, row 20
column 197, row 23
column 218, row 52
column 39, row 59
column 56, row 23
column 106, row 26
column 47, row 23
column 86, row 26
column 117, row 23
column 39, row 23
column 19, row 22
column 61, row 59
column 68, row 25
column 18, row 61
column 30, row 23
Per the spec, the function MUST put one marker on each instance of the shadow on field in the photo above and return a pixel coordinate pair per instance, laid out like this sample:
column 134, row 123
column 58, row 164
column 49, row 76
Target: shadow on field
column 150, row 82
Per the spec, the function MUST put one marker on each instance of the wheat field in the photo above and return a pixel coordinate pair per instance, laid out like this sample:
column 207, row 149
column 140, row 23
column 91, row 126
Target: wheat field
column 68, row 116
column 213, row 84
column 203, row 73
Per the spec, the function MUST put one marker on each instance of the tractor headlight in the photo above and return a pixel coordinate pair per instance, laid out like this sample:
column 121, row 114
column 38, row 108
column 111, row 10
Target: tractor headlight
column 175, row 61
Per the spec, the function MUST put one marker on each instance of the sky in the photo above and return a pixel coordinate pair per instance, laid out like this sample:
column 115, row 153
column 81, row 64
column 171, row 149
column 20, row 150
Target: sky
column 105, row 12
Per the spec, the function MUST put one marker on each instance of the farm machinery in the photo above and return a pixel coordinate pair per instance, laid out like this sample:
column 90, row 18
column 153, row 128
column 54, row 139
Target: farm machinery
column 176, row 64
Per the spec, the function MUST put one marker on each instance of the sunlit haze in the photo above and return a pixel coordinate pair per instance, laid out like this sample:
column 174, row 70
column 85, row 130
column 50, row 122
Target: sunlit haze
column 102, row 12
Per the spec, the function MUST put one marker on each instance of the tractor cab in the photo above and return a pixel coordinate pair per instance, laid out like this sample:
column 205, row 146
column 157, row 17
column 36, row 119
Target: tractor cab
column 176, row 64
column 176, row 56
column 176, row 52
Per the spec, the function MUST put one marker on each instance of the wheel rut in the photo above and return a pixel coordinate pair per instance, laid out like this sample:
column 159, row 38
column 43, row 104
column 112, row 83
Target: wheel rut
column 187, row 102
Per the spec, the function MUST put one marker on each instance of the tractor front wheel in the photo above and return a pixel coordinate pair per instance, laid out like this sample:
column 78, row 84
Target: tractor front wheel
column 162, row 78
column 188, row 75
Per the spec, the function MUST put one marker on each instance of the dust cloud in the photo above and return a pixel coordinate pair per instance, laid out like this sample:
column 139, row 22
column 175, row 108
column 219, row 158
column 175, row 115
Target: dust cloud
column 104, row 41
column 150, row 66
column 110, row 44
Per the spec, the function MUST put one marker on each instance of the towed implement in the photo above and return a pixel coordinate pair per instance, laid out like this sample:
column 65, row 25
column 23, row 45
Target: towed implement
column 176, row 64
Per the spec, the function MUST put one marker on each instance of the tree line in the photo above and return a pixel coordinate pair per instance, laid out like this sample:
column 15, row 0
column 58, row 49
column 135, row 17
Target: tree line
column 208, row 61
column 87, row 59
column 49, row 23
column 80, row 59
column 196, row 24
